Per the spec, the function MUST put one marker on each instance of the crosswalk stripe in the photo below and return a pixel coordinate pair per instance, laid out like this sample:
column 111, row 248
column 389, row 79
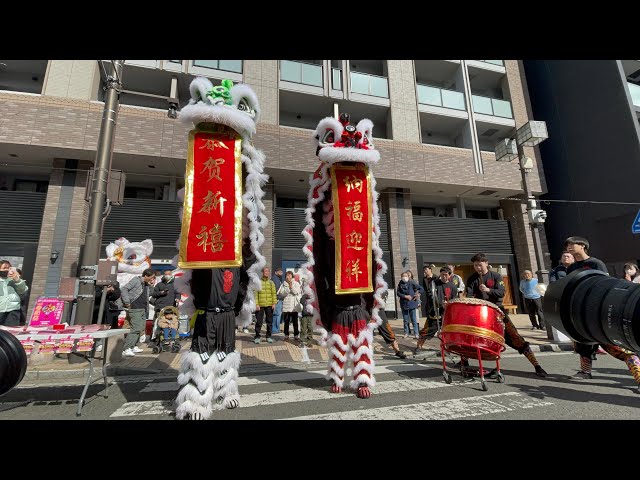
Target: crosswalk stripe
column 438, row 410
column 287, row 377
column 308, row 394
column 154, row 407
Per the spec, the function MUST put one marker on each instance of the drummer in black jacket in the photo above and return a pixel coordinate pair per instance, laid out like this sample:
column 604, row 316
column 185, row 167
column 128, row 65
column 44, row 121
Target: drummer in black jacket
column 489, row 286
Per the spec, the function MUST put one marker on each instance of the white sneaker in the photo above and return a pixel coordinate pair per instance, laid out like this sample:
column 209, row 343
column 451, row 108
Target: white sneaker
column 128, row 353
column 137, row 349
column 246, row 330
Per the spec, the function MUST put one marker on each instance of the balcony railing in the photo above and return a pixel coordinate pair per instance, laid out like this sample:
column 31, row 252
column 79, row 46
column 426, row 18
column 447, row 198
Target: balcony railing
column 635, row 93
column 500, row 63
column 300, row 72
column 491, row 106
column 367, row 84
column 440, row 97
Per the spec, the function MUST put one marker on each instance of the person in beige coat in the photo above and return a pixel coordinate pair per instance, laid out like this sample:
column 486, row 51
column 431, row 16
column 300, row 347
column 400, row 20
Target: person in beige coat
column 291, row 305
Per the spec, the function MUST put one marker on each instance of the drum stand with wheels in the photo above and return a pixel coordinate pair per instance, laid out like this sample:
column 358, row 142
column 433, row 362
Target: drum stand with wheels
column 466, row 371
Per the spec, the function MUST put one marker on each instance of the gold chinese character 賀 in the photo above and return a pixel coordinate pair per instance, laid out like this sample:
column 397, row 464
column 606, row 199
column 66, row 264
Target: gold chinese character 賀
column 355, row 183
column 213, row 165
column 212, row 143
column 213, row 201
column 353, row 211
column 353, row 240
column 353, row 269
column 211, row 238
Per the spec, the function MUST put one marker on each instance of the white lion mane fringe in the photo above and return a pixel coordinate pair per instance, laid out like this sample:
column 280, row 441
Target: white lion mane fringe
column 319, row 185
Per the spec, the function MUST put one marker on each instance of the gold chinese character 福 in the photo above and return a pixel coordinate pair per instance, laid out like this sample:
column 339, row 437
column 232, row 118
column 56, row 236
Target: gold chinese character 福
column 212, row 143
column 212, row 201
column 213, row 165
column 353, row 240
column 355, row 183
column 211, row 238
column 353, row 269
column 353, row 211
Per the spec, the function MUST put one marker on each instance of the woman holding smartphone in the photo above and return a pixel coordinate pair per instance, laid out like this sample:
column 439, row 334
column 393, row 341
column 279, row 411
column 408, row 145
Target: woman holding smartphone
column 11, row 287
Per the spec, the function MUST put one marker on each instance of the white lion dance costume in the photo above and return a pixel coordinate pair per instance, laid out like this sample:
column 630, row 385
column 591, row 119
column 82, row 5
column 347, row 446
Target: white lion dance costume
column 132, row 258
column 222, row 222
column 344, row 262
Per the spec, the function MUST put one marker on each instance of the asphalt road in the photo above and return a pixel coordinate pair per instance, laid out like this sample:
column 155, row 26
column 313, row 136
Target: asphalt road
column 406, row 390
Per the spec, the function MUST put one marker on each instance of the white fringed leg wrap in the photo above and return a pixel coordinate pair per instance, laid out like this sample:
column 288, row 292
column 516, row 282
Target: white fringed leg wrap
column 197, row 392
column 337, row 356
column 224, row 384
column 361, row 354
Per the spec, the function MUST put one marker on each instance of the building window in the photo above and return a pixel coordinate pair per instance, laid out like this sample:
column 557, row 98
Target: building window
column 143, row 193
column 31, row 186
column 291, row 203
column 226, row 65
column 423, row 212
column 477, row 214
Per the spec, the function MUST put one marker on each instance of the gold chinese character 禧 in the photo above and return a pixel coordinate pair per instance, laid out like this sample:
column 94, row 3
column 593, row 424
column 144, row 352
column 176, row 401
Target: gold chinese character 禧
column 355, row 183
column 213, row 165
column 212, row 201
column 353, row 268
column 211, row 238
column 353, row 211
column 353, row 240
column 212, row 143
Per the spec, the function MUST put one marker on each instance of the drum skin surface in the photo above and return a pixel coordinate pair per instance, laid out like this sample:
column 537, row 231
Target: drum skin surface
column 469, row 323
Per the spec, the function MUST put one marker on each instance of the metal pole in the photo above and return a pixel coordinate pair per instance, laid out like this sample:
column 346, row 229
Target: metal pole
column 91, row 251
column 542, row 273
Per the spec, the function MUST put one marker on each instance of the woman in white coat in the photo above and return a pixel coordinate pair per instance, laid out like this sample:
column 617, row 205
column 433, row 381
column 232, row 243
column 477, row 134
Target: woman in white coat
column 291, row 305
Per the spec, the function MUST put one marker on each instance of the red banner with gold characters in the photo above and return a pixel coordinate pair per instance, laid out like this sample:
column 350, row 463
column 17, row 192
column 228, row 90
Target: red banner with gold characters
column 351, row 192
column 212, row 219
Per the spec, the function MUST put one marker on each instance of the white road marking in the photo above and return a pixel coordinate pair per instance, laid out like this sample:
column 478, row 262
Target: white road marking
column 286, row 377
column 155, row 407
column 439, row 410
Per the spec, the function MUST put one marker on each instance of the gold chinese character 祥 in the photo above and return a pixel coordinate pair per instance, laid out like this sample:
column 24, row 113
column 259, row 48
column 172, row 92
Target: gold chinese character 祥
column 212, row 201
column 353, row 240
column 211, row 144
column 353, row 211
column 355, row 183
column 213, row 165
column 353, row 268
column 211, row 238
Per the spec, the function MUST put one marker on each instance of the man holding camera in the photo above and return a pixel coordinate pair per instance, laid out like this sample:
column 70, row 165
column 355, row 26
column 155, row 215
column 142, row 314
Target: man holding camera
column 11, row 288
column 578, row 247
column 135, row 298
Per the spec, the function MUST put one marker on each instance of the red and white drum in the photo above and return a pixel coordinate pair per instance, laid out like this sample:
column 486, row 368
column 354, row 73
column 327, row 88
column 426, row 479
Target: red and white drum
column 471, row 322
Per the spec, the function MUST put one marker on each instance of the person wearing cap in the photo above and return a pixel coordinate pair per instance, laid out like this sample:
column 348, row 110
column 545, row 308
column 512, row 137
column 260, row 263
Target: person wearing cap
column 277, row 314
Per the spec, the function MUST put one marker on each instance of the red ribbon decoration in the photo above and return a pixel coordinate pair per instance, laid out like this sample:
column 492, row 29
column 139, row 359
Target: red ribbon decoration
column 211, row 233
column 352, row 212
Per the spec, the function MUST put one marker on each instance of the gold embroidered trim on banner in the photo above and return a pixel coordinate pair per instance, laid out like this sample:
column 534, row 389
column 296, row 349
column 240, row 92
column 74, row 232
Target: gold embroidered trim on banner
column 338, row 236
column 188, row 203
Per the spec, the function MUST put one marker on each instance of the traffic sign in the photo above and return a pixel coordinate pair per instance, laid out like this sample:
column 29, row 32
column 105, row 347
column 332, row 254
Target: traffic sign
column 635, row 227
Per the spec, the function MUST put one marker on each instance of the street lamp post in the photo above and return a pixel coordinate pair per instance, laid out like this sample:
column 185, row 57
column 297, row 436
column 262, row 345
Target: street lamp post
column 530, row 134
column 102, row 168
